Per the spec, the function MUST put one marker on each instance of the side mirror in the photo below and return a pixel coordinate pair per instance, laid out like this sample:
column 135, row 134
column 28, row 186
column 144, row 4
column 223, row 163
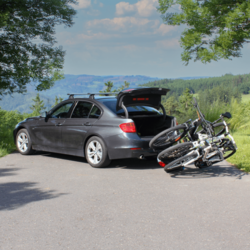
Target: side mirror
column 227, row 115
column 47, row 116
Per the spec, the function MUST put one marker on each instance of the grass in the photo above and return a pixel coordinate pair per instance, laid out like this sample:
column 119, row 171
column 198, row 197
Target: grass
column 8, row 121
column 245, row 98
column 5, row 150
column 241, row 159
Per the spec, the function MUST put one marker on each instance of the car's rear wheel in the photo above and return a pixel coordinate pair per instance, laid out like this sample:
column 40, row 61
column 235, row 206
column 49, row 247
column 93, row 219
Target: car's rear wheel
column 96, row 153
column 23, row 142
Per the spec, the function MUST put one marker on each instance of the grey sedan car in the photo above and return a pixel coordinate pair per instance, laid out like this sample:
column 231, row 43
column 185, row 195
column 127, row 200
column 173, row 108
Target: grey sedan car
column 100, row 128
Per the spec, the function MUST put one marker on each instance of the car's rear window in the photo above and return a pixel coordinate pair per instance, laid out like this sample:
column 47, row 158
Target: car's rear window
column 142, row 110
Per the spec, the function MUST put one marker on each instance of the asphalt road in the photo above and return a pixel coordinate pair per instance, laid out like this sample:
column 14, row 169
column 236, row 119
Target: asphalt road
column 51, row 201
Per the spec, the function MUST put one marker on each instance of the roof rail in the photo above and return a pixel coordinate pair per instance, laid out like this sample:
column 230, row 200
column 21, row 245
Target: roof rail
column 92, row 95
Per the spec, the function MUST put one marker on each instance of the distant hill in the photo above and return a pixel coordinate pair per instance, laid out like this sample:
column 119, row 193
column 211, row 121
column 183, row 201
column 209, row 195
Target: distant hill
column 70, row 84
column 190, row 77
column 73, row 84
column 240, row 83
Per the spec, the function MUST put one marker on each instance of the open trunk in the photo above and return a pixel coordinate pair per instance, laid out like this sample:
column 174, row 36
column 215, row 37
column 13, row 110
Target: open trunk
column 142, row 106
column 149, row 126
column 149, row 123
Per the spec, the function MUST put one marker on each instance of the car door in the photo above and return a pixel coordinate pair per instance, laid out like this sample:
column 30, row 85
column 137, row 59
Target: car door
column 47, row 131
column 75, row 128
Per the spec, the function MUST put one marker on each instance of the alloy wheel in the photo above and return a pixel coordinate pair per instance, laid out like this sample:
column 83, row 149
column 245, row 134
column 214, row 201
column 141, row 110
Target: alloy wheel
column 94, row 152
column 22, row 142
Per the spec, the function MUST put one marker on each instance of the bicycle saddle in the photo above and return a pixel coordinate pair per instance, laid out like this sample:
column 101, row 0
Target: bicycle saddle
column 227, row 115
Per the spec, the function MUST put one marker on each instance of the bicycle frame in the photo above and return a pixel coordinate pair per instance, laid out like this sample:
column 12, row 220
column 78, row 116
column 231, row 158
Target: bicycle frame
column 207, row 155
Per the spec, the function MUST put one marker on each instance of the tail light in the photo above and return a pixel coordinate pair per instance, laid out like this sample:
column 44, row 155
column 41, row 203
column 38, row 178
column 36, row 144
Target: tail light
column 128, row 127
column 162, row 164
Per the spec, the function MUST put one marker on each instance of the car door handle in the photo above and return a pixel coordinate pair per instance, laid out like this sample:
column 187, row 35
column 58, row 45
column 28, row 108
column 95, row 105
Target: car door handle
column 87, row 124
column 59, row 124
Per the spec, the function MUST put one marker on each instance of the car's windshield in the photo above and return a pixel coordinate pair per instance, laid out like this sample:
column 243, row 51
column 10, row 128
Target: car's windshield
column 111, row 104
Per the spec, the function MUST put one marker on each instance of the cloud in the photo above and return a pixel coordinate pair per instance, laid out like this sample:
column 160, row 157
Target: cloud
column 123, row 24
column 144, row 8
column 123, row 8
column 164, row 29
column 169, row 43
column 85, row 38
column 129, row 47
column 82, row 4
column 123, row 32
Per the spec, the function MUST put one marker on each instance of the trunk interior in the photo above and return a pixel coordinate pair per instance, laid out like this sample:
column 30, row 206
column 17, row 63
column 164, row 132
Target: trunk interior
column 149, row 126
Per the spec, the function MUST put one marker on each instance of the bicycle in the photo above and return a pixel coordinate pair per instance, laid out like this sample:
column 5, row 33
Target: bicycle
column 186, row 131
column 204, row 152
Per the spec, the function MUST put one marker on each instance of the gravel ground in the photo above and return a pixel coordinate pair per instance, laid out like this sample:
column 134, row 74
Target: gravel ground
column 51, row 201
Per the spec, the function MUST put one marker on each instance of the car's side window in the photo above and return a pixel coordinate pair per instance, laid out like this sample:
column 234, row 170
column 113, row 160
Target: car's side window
column 62, row 111
column 95, row 112
column 82, row 110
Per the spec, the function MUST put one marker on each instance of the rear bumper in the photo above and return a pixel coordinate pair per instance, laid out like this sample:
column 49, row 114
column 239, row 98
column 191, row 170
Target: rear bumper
column 123, row 153
column 128, row 145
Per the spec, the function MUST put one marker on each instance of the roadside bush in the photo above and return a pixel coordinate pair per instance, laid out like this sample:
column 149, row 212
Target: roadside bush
column 240, row 115
column 8, row 121
column 213, row 111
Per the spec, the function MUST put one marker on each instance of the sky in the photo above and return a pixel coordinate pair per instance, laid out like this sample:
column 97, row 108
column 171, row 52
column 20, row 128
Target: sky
column 112, row 37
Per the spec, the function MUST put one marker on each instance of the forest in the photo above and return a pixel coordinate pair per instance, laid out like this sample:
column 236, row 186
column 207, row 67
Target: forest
column 213, row 93
column 237, row 84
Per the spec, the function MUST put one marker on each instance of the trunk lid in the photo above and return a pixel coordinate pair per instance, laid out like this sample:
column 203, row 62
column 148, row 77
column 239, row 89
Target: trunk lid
column 141, row 97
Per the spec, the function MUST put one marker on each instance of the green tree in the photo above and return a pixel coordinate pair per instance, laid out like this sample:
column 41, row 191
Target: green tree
column 38, row 105
column 22, row 58
column 185, row 106
column 171, row 105
column 124, row 86
column 57, row 100
column 216, row 28
column 109, row 85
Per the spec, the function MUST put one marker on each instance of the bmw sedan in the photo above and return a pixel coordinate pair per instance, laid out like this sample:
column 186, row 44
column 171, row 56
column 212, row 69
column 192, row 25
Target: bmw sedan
column 99, row 128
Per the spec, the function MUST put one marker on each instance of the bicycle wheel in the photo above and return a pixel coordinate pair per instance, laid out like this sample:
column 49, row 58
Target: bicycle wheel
column 178, row 163
column 219, row 128
column 168, row 137
column 229, row 148
column 176, row 151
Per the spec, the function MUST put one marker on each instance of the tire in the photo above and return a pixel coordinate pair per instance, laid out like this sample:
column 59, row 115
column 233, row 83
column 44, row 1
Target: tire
column 96, row 153
column 176, row 151
column 178, row 163
column 23, row 142
column 168, row 137
column 228, row 146
column 219, row 128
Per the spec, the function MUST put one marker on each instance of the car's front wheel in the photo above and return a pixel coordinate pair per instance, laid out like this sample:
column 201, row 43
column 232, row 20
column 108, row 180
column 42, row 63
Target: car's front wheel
column 96, row 153
column 23, row 142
